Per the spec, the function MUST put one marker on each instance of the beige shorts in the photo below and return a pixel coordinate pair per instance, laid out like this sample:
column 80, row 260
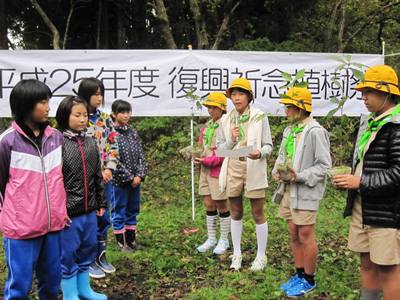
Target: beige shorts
column 236, row 181
column 209, row 185
column 382, row 244
column 297, row 216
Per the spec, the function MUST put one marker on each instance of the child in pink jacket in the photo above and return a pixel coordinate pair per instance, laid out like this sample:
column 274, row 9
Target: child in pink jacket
column 214, row 199
column 32, row 195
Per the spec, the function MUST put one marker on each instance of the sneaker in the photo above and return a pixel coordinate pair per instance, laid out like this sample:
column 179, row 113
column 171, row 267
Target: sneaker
column 236, row 262
column 300, row 289
column 221, row 248
column 207, row 245
column 291, row 282
column 95, row 271
column 259, row 263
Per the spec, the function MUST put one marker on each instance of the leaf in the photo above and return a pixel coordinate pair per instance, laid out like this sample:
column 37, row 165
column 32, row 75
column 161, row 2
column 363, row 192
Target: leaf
column 286, row 76
column 300, row 74
column 339, row 59
column 347, row 58
column 332, row 112
column 302, row 84
column 337, row 82
column 340, row 67
column 358, row 65
column 358, row 74
column 334, row 100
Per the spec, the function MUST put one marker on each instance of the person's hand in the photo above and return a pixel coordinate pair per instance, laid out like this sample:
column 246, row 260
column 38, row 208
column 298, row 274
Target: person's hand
column 100, row 212
column 136, row 181
column 276, row 176
column 235, row 132
column 293, row 175
column 67, row 221
column 197, row 160
column 346, row 182
column 256, row 154
column 107, row 175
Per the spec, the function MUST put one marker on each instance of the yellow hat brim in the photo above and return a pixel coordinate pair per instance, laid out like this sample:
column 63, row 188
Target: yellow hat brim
column 212, row 103
column 307, row 107
column 383, row 88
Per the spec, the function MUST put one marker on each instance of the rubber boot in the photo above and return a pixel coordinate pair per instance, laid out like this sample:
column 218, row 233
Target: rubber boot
column 69, row 288
column 84, row 289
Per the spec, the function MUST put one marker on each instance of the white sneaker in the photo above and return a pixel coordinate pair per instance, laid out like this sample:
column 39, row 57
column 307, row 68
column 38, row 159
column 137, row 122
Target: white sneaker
column 236, row 262
column 207, row 245
column 222, row 246
column 259, row 263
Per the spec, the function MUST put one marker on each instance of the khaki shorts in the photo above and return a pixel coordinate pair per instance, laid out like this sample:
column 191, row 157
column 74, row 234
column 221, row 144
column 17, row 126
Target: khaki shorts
column 209, row 185
column 236, row 181
column 382, row 244
column 297, row 216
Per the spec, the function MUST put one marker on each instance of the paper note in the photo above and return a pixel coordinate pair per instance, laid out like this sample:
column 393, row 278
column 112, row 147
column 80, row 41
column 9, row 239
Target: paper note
column 241, row 152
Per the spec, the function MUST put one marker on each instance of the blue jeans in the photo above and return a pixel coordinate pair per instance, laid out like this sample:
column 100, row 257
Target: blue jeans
column 104, row 222
column 23, row 257
column 125, row 206
column 79, row 245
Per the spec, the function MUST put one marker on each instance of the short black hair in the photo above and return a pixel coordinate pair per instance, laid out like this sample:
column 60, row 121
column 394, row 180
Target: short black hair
column 119, row 106
column 25, row 95
column 64, row 110
column 88, row 87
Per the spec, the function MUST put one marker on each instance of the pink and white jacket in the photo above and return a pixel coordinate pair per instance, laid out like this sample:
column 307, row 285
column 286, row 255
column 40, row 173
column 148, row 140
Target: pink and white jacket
column 32, row 194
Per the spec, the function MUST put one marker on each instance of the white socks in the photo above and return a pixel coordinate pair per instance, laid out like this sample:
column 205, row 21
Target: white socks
column 212, row 226
column 225, row 224
column 262, row 237
column 236, row 233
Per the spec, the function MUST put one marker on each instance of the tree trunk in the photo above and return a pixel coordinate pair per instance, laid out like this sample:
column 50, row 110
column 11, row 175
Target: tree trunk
column 164, row 24
column 71, row 11
column 200, row 25
column 53, row 29
column 341, row 44
column 3, row 26
column 224, row 25
column 328, row 43
column 102, row 25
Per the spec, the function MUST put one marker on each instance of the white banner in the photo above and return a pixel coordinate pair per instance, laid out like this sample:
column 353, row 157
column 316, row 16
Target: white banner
column 156, row 82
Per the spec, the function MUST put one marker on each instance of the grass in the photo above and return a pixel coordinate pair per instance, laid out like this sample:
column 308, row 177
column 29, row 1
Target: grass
column 168, row 266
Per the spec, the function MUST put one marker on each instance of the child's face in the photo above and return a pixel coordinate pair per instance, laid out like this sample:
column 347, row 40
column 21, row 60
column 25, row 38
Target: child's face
column 123, row 117
column 40, row 112
column 292, row 112
column 240, row 99
column 96, row 100
column 78, row 118
column 214, row 112
column 373, row 100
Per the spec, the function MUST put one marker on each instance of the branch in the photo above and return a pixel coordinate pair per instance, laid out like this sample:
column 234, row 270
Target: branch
column 224, row 25
column 49, row 24
column 71, row 10
column 371, row 19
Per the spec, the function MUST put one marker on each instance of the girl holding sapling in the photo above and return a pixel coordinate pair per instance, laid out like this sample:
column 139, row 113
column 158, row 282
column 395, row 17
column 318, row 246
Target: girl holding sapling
column 300, row 168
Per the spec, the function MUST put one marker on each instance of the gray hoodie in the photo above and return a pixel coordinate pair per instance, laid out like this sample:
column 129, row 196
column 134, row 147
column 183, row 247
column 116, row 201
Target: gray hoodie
column 312, row 160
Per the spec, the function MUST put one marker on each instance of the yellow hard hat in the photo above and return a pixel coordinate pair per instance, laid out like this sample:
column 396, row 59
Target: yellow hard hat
column 381, row 78
column 299, row 97
column 242, row 83
column 217, row 99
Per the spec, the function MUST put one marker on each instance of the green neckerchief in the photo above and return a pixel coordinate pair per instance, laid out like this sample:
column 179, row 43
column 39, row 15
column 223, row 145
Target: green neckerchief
column 209, row 133
column 374, row 126
column 290, row 140
column 242, row 119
